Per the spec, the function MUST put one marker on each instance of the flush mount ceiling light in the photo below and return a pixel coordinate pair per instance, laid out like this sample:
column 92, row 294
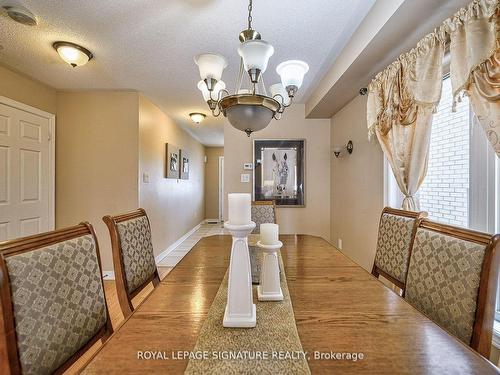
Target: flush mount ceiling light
column 197, row 117
column 21, row 15
column 72, row 53
column 250, row 108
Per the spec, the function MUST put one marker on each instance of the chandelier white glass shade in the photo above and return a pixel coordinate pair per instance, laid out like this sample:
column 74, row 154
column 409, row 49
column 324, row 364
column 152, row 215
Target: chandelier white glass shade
column 255, row 55
column 292, row 73
column 250, row 108
column 211, row 65
column 220, row 85
column 277, row 90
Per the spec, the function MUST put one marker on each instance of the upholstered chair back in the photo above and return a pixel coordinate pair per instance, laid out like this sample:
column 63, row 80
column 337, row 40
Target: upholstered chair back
column 52, row 299
column 452, row 278
column 263, row 212
column 133, row 256
column 395, row 237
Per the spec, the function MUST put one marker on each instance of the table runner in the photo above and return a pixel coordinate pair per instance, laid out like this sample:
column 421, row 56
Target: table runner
column 275, row 339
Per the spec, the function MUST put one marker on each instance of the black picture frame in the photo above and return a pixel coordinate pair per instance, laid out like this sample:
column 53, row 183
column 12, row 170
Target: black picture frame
column 279, row 171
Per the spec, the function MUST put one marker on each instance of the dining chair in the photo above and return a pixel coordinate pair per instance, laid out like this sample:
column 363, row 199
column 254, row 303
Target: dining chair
column 453, row 278
column 52, row 302
column 395, row 238
column 133, row 256
column 263, row 212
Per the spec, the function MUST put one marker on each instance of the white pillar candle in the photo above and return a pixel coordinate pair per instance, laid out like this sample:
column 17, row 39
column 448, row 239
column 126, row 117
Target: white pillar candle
column 269, row 233
column 239, row 211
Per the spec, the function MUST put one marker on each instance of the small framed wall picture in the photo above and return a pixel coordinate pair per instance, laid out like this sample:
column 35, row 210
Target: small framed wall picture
column 173, row 162
column 279, row 171
column 184, row 158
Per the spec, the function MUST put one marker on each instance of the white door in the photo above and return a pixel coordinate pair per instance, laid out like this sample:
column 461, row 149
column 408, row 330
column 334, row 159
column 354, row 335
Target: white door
column 26, row 171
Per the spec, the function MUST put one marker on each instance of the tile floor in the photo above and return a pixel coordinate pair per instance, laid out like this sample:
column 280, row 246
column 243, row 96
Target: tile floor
column 180, row 251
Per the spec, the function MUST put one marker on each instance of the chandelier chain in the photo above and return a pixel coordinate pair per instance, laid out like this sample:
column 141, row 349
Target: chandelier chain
column 250, row 14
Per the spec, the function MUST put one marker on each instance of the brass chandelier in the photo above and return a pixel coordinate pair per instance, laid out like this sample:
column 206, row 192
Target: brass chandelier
column 250, row 108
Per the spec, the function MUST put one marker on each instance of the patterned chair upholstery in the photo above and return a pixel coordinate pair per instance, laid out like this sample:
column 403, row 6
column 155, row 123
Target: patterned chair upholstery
column 263, row 212
column 56, row 297
column 133, row 256
column 395, row 238
column 446, row 270
column 137, row 251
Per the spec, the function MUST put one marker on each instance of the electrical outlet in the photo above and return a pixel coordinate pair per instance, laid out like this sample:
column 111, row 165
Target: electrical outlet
column 339, row 243
column 245, row 177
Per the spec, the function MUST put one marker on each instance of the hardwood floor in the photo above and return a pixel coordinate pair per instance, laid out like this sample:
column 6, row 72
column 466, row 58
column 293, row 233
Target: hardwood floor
column 115, row 313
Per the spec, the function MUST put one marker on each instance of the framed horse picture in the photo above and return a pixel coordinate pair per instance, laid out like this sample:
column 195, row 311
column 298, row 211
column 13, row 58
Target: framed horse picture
column 279, row 171
column 172, row 161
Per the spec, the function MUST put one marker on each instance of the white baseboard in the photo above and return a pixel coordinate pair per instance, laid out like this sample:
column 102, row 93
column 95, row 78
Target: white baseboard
column 172, row 247
column 110, row 275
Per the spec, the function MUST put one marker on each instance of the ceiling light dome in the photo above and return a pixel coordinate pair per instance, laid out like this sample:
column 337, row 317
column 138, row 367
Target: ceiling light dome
column 250, row 108
column 197, row 117
column 72, row 53
column 21, row 15
column 249, row 113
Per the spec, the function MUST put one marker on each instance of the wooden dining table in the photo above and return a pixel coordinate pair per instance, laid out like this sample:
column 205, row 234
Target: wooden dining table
column 339, row 307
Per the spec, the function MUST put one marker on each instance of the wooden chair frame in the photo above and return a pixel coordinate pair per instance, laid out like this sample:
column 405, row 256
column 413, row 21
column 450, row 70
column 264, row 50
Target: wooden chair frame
column 411, row 214
column 9, row 356
column 488, row 283
column 124, row 297
column 268, row 203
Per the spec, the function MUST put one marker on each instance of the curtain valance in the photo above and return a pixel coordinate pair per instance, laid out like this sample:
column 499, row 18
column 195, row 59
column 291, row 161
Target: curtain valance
column 402, row 98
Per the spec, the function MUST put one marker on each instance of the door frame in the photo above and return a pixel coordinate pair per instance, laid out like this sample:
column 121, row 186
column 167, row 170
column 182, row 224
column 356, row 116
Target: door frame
column 221, row 188
column 52, row 150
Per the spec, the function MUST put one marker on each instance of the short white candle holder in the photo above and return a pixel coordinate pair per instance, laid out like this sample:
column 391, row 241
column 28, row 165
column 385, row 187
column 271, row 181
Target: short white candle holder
column 270, row 288
column 240, row 309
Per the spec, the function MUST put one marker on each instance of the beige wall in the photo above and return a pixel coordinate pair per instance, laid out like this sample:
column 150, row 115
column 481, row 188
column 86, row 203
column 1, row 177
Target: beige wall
column 357, row 185
column 212, row 181
column 315, row 217
column 26, row 90
column 173, row 206
column 96, row 159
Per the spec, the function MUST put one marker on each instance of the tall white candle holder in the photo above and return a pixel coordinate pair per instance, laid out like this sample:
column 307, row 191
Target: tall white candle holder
column 270, row 288
column 240, row 309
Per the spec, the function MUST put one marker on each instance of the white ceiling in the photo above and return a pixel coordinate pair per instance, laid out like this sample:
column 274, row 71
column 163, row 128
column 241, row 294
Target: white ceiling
column 149, row 45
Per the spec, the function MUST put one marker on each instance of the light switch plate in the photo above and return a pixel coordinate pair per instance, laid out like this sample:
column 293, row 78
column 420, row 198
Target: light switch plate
column 145, row 178
column 245, row 177
column 248, row 166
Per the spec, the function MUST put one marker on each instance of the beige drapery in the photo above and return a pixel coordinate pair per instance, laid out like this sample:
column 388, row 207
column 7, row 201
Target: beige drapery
column 401, row 101
column 475, row 62
column 402, row 98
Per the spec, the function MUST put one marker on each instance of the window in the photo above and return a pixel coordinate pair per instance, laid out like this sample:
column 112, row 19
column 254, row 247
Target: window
column 463, row 176
column 444, row 193
column 462, row 186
